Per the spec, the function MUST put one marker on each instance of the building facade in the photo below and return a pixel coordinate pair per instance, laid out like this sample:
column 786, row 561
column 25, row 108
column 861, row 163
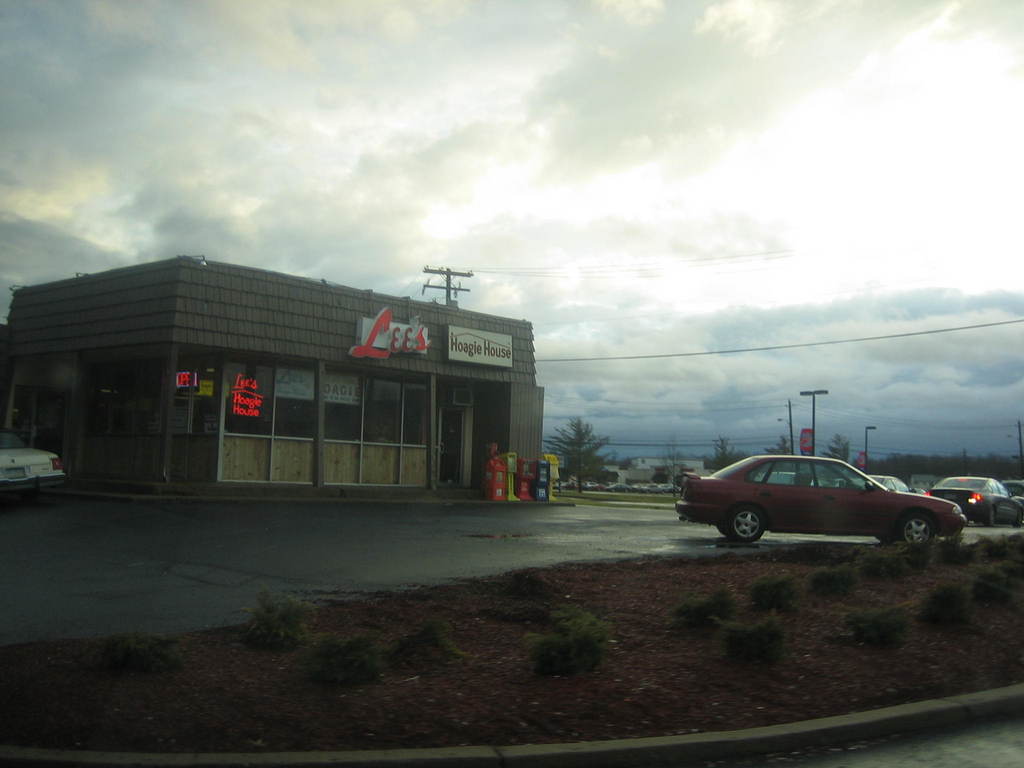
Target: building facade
column 192, row 371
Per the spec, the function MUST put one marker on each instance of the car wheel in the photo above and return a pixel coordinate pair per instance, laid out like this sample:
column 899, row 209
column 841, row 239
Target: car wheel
column 1019, row 519
column 746, row 524
column 990, row 518
column 915, row 528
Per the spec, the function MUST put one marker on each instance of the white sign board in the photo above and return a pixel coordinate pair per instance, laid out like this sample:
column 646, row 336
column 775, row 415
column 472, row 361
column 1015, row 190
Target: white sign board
column 468, row 345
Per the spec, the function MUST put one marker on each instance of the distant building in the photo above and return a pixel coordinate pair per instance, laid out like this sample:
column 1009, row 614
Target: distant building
column 643, row 470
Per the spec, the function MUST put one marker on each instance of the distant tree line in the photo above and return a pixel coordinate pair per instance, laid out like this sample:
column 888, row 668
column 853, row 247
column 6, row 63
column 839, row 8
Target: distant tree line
column 580, row 450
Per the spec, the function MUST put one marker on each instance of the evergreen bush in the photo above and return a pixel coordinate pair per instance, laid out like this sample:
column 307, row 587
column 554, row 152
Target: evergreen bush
column 947, row 604
column 140, row 652
column 345, row 661
column 839, row 580
column 883, row 564
column 954, row 552
column 993, row 585
column 278, row 622
column 719, row 606
column 762, row 643
column 577, row 645
column 774, row 593
column 884, row 627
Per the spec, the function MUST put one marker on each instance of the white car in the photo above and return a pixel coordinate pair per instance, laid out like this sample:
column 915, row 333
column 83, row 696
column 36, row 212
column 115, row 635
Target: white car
column 25, row 470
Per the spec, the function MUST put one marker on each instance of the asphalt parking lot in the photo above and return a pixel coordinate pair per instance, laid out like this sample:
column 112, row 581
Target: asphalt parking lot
column 73, row 567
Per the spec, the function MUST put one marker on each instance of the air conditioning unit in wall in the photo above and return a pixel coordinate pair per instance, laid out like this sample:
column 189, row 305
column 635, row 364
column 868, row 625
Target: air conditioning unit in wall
column 462, row 396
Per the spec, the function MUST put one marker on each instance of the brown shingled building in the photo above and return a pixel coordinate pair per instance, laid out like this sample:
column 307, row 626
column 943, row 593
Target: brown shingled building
column 194, row 372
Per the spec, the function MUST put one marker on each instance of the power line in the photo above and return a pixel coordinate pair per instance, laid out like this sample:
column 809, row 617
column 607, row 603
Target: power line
column 777, row 347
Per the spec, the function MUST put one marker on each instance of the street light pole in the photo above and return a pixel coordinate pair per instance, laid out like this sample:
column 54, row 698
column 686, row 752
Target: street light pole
column 814, row 403
column 866, row 447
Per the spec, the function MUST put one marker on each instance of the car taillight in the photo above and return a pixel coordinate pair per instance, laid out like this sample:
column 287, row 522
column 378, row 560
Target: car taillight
column 974, row 498
column 927, row 493
column 56, row 464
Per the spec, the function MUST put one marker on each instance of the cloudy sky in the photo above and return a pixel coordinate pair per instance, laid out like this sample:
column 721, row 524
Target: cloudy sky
column 646, row 181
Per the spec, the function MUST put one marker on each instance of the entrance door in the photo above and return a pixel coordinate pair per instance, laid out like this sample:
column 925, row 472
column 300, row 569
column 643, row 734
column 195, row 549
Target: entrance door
column 450, row 464
column 39, row 417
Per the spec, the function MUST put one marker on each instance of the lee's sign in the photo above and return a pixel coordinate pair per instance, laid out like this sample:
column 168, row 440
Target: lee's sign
column 380, row 336
column 468, row 345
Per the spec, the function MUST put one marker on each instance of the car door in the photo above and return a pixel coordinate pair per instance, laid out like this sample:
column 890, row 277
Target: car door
column 1005, row 507
column 787, row 493
column 851, row 505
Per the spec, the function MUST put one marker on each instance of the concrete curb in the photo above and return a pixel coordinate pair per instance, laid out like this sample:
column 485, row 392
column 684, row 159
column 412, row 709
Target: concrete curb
column 623, row 753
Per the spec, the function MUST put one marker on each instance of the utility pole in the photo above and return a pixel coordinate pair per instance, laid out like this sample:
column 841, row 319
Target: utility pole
column 448, row 288
column 792, row 448
column 1020, row 449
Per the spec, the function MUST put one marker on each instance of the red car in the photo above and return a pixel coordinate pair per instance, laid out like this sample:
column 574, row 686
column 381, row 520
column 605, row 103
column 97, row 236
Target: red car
column 809, row 494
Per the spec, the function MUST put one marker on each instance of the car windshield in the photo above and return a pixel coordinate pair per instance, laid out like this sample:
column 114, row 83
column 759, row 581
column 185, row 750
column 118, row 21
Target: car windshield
column 10, row 440
column 969, row 483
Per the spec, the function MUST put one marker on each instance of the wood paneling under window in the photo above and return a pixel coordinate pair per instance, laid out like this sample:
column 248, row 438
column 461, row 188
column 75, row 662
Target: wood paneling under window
column 414, row 466
column 341, row 463
column 246, row 458
column 380, row 464
column 293, row 461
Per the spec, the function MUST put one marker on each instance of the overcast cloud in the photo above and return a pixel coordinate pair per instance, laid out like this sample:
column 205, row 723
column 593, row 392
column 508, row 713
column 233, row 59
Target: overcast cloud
column 635, row 177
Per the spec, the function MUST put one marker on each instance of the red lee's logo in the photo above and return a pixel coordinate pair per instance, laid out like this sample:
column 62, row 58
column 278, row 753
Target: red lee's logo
column 382, row 337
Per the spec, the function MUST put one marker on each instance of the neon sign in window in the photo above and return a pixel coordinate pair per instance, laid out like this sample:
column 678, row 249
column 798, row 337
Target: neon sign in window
column 246, row 399
column 187, row 379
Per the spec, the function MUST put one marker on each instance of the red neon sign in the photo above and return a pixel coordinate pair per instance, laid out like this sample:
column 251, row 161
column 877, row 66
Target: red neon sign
column 383, row 337
column 246, row 399
column 187, row 379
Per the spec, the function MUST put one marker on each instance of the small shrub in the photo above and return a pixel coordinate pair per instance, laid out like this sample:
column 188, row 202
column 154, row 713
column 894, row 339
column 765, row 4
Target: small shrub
column 719, row 606
column 1013, row 567
column 885, row 627
column 527, row 584
column 954, row 552
column 995, row 548
column 839, row 580
column 345, row 661
column 993, row 585
column 577, row 644
column 947, row 604
column 432, row 642
column 774, row 593
column 883, row 564
column 278, row 622
column 918, row 554
column 139, row 652
column 761, row 643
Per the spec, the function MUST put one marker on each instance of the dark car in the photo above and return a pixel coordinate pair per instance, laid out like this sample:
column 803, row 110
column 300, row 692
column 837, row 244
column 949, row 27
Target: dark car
column 984, row 500
column 807, row 494
column 1015, row 487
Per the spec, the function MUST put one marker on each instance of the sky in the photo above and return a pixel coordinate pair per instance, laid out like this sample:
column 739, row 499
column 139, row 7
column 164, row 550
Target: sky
column 654, row 185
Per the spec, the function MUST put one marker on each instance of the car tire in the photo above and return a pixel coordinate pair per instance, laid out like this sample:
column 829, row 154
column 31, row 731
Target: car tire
column 1018, row 521
column 745, row 524
column 990, row 518
column 915, row 528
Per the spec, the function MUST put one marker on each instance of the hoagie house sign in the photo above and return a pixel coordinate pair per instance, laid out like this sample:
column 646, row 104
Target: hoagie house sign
column 468, row 345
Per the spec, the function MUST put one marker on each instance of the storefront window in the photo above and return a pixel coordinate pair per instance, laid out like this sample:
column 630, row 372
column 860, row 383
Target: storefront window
column 414, row 424
column 124, row 397
column 343, row 406
column 383, row 411
column 295, row 405
column 249, row 399
column 195, row 397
